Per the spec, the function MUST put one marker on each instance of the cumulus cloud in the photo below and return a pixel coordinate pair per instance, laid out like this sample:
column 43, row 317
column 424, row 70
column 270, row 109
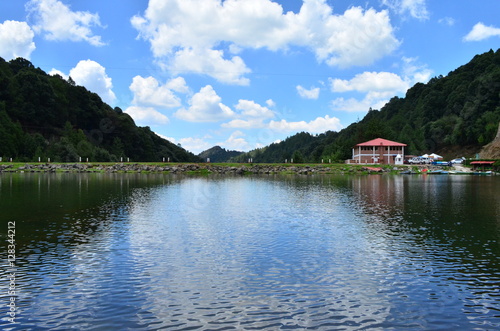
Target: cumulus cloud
column 205, row 106
column 371, row 81
column 211, row 62
column 415, row 8
column 415, row 72
column 16, row 40
column 93, row 76
column 244, row 124
column 357, row 37
column 150, row 93
column 236, row 142
column 192, row 144
column 146, row 115
column 377, row 87
column 251, row 115
column 480, row 32
column 319, row 125
column 250, row 108
column 312, row 93
column 186, row 35
column 172, row 140
column 58, row 22
column 54, row 72
column 178, row 84
column 270, row 103
column 371, row 100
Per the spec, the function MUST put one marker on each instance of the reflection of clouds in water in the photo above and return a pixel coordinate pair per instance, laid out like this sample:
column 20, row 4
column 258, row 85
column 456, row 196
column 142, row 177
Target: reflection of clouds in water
column 80, row 277
column 323, row 252
column 258, row 253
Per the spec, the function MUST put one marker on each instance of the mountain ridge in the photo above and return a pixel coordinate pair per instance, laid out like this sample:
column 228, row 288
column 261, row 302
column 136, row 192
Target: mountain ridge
column 47, row 117
column 218, row 154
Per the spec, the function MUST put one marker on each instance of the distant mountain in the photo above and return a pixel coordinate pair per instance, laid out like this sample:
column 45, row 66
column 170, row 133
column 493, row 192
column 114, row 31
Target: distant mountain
column 50, row 117
column 218, row 154
column 453, row 116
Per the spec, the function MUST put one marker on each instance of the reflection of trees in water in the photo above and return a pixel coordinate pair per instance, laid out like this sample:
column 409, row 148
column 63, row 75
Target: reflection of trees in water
column 443, row 226
column 452, row 202
column 48, row 206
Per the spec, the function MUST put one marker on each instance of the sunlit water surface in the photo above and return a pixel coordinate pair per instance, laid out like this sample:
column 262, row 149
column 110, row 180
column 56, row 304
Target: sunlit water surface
column 147, row 252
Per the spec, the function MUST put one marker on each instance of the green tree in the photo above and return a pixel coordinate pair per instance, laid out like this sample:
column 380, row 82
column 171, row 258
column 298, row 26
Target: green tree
column 298, row 157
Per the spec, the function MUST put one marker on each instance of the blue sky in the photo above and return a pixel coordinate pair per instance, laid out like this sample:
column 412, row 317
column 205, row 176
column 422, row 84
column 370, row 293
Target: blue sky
column 245, row 73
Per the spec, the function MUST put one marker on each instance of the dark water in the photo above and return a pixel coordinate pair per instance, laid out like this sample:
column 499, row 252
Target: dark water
column 147, row 252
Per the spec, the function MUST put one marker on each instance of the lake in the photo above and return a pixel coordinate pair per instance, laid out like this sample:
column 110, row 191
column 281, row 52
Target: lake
column 159, row 251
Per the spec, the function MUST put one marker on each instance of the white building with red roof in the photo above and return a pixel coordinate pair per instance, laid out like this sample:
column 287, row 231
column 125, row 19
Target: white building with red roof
column 378, row 151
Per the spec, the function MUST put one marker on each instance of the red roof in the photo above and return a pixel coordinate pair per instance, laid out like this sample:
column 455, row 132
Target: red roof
column 482, row 162
column 381, row 142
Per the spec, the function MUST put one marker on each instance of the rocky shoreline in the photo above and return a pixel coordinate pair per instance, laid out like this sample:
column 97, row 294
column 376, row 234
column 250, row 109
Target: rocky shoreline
column 203, row 168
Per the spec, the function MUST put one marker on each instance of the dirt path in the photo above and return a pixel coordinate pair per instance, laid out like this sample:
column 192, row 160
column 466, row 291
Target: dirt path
column 459, row 167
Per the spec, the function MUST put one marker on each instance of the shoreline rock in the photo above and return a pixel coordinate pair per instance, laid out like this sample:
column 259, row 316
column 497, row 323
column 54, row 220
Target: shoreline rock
column 201, row 168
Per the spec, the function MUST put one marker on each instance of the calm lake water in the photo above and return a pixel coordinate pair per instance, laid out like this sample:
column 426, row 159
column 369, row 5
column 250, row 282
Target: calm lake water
column 147, row 252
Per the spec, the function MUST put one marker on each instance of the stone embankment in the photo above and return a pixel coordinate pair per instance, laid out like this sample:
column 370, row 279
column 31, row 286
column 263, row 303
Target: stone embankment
column 179, row 168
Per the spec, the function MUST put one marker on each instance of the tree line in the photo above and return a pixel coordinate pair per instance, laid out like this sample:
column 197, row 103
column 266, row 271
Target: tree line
column 44, row 116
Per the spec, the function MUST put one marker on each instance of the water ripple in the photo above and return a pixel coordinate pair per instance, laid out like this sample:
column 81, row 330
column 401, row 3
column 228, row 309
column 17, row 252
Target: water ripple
column 258, row 253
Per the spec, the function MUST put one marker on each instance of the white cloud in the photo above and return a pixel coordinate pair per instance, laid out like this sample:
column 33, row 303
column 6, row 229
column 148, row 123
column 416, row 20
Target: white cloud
column 312, row 93
column 480, row 32
column 356, row 38
column 54, row 72
column 378, row 87
column 205, row 106
column 178, row 84
column 194, row 145
column 150, row 95
column 186, row 35
column 415, row 8
column 172, row 140
column 211, row 62
column 371, row 81
column 319, row 125
column 59, row 23
column 250, row 108
column 251, row 115
column 244, row 124
column 146, row 115
column 16, row 40
column 148, row 92
column 236, row 142
column 270, row 103
column 372, row 100
column 450, row 21
column 93, row 76
column 414, row 72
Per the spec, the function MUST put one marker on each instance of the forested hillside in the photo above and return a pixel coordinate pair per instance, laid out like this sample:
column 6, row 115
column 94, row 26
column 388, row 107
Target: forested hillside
column 48, row 117
column 218, row 154
column 454, row 115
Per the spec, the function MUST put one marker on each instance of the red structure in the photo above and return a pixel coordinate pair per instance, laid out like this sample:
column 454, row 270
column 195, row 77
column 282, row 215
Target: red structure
column 379, row 151
column 482, row 164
